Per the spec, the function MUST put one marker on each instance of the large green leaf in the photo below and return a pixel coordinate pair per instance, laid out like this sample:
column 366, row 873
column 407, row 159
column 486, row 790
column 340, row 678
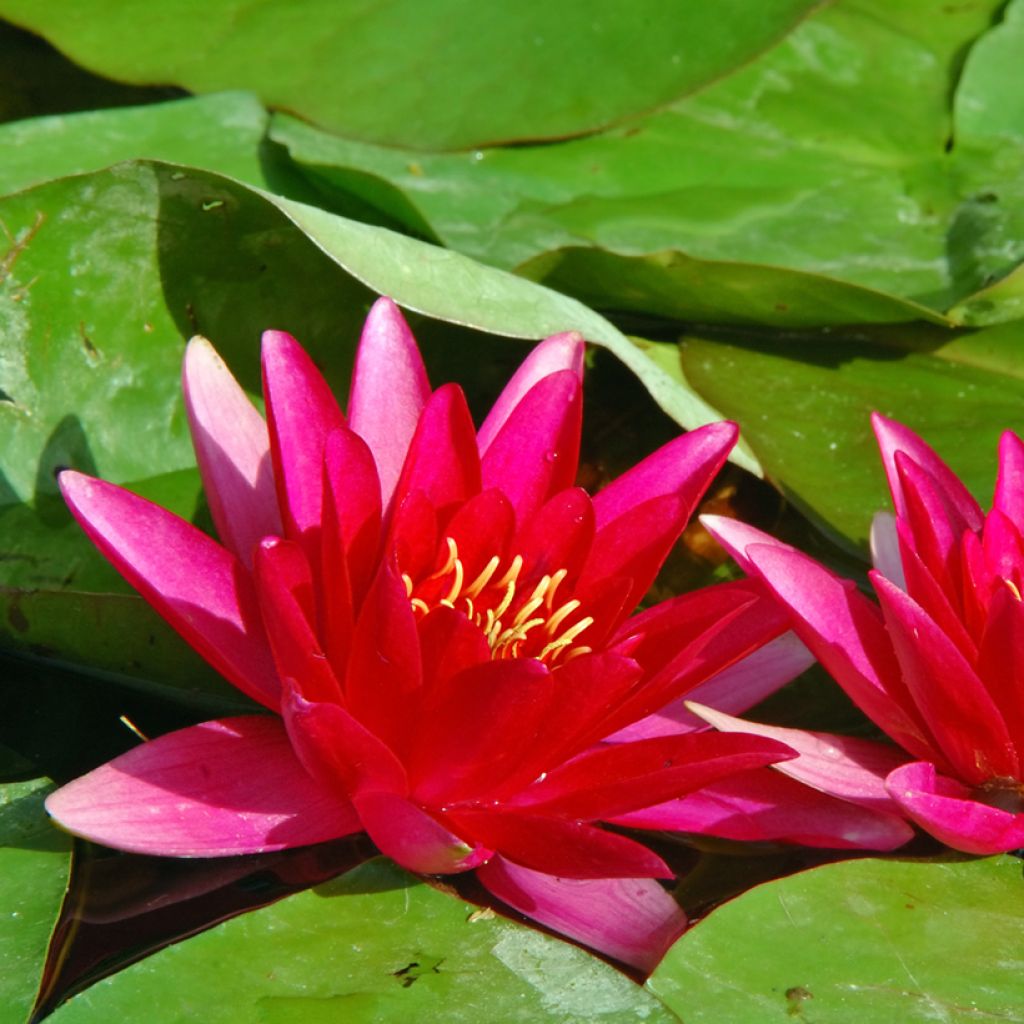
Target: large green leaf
column 104, row 276
column 872, row 941
column 449, row 74
column 34, row 862
column 804, row 407
column 221, row 133
column 817, row 185
column 373, row 946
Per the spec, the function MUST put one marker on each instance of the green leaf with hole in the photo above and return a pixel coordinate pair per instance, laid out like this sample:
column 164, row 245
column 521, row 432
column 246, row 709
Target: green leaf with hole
column 375, row 945
column 872, row 941
column 34, row 863
column 450, row 74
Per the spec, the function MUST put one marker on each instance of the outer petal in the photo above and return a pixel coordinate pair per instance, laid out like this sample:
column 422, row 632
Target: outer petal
column 945, row 809
column 199, row 587
column 885, row 548
column 413, row 838
column 220, row 788
column 301, row 412
column 766, row 806
column 559, row 352
column 232, row 449
column 389, row 390
column 534, row 454
column 842, row 766
column 894, row 437
column 629, row 919
column 684, row 467
column 1009, row 496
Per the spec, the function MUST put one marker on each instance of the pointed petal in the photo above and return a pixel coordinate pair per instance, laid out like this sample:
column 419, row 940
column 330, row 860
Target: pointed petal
column 1009, row 496
column 845, row 632
column 766, row 806
column 568, row 849
column 559, row 352
column 966, row 724
column 558, row 536
column 301, row 413
column 684, row 467
column 633, row 920
column 945, row 809
column 885, row 548
column 442, row 462
column 842, row 766
column 736, row 536
column 733, row 690
column 1001, row 660
column 199, row 587
column 536, row 451
column 413, row 838
column 616, row 779
column 338, row 751
column 449, row 644
column 233, row 451
column 285, row 587
column 212, row 790
column 894, row 437
column 389, row 390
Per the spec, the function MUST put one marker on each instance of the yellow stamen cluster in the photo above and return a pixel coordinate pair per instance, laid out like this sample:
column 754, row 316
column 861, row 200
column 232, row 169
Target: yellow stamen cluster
column 513, row 627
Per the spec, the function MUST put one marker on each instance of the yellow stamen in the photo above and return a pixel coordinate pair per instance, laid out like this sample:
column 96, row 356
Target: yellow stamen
column 567, row 637
column 453, row 556
column 484, row 578
column 456, row 586
column 407, row 580
column 1013, row 588
column 513, row 572
column 557, row 618
column 510, row 592
column 419, row 605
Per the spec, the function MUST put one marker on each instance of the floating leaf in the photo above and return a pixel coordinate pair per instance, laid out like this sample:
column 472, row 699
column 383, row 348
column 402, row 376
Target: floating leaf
column 872, row 941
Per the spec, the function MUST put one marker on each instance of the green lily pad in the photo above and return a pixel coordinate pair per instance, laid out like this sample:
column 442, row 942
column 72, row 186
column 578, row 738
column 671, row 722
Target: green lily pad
column 34, row 863
column 804, row 408
column 104, row 276
column 873, row 941
column 446, row 75
column 373, row 945
column 222, row 133
column 824, row 183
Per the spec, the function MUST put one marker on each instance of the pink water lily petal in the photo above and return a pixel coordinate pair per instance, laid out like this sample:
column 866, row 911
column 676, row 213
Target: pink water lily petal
column 233, row 451
column 842, row 766
column 566, row 849
column 413, row 838
column 301, row 413
column 442, row 462
column 894, row 437
column 216, row 789
column 1009, row 495
column 559, row 352
column 200, row 588
column 619, row 778
column 845, row 631
column 732, row 690
column 1001, row 661
column 684, row 467
column 559, row 536
column 736, row 536
column 633, row 920
column 946, row 809
column 968, row 727
column 766, row 806
column 885, row 548
column 285, row 587
column 534, row 454
column 337, row 749
column 389, row 390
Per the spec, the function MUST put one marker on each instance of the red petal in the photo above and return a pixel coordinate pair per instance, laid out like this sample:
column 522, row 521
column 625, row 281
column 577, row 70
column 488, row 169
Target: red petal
column 216, row 789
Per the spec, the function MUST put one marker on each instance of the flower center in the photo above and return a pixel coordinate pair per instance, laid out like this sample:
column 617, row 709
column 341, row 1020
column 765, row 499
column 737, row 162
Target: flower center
column 518, row 621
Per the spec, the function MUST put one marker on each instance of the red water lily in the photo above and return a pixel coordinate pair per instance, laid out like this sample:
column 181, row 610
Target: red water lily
column 439, row 620
column 939, row 665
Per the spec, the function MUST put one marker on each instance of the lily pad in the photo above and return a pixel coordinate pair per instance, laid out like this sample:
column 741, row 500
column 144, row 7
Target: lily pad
column 373, row 945
column 872, row 941
column 34, row 863
column 446, row 75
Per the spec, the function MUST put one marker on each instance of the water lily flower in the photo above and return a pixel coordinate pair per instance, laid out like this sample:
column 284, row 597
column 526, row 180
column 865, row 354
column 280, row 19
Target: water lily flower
column 937, row 663
column 440, row 623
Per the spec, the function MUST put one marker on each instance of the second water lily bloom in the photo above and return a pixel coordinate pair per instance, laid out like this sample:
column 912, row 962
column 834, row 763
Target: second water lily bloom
column 442, row 627
column 938, row 663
